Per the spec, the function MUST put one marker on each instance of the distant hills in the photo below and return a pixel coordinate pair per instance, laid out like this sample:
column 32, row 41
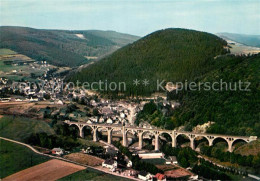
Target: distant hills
column 170, row 54
column 250, row 40
column 61, row 47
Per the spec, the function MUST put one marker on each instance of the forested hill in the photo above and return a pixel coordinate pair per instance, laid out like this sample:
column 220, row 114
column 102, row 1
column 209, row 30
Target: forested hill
column 171, row 55
column 60, row 47
column 233, row 112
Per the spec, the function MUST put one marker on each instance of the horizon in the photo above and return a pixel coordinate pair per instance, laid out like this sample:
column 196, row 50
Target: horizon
column 57, row 29
column 134, row 17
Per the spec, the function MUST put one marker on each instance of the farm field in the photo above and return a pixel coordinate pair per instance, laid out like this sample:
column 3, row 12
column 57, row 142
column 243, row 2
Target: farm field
column 18, row 66
column 91, row 174
column 15, row 157
column 84, row 159
column 50, row 170
column 20, row 128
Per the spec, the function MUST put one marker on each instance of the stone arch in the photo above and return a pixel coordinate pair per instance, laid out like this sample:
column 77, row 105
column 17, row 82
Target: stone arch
column 130, row 140
column 238, row 140
column 102, row 133
column 141, row 133
column 221, row 138
column 183, row 135
column 86, row 129
column 199, row 138
column 77, row 129
column 170, row 135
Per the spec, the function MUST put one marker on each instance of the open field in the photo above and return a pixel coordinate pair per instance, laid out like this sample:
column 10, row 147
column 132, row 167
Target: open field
column 84, row 159
column 27, row 109
column 17, row 66
column 50, row 170
column 166, row 167
column 4, row 51
column 19, row 128
column 91, row 174
column 15, row 157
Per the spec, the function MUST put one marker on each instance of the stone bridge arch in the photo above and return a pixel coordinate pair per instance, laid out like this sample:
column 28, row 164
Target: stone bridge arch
column 190, row 137
column 170, row 134
column 243, row 140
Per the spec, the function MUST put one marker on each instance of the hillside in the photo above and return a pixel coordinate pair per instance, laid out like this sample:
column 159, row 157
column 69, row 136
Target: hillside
column 60, row 47
column 233, row 112
column 20, row 129
column 171, row 55
column 250, row 40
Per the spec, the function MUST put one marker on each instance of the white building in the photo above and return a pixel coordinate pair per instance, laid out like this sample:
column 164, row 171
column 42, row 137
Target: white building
column 109, row 163
column 57, row 151
column 145, row 176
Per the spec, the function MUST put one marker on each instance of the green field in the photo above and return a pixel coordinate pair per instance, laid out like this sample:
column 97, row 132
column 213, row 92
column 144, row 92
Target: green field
column 20, row 128
column 15, row 157
column 4, row 51
column 91, row 174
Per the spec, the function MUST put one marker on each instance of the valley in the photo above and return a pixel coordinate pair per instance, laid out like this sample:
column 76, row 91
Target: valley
column 178, row 133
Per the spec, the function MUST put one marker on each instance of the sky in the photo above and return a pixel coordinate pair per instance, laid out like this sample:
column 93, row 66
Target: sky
column 137, row 17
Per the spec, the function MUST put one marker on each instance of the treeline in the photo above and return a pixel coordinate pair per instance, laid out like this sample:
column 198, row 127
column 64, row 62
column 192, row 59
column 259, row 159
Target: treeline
column 138, row 164
column 186, row 156
column 250, row 160
column 170, row 55
column 157, row 115
column 52, row 141
column 209, row 171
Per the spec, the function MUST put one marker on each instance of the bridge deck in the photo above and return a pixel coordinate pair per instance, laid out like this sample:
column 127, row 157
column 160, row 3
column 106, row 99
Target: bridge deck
column 152, row 129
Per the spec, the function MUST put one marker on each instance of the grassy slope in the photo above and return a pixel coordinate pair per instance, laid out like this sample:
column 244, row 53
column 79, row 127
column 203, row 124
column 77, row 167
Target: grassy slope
column 252, row 148
column 57, row 46
column 92, row 174
column 5, row 51
column 172, row 55
column 14, row 158
column 20, row 128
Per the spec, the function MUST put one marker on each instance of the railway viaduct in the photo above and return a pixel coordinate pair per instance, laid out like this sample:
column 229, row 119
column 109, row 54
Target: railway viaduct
column 157, row 133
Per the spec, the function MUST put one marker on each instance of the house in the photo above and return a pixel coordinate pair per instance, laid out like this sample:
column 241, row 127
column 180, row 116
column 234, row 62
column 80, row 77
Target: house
column 160, row 177
column 87, row 151
column 129, row 164
column 171, row 160
column 109, row 121
column 57, row 151
column 89, row 121
column 174, row 159
column 34, row 99
column 101, row 120
column 109, row 163
column 143, row 175
column 59, row 102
